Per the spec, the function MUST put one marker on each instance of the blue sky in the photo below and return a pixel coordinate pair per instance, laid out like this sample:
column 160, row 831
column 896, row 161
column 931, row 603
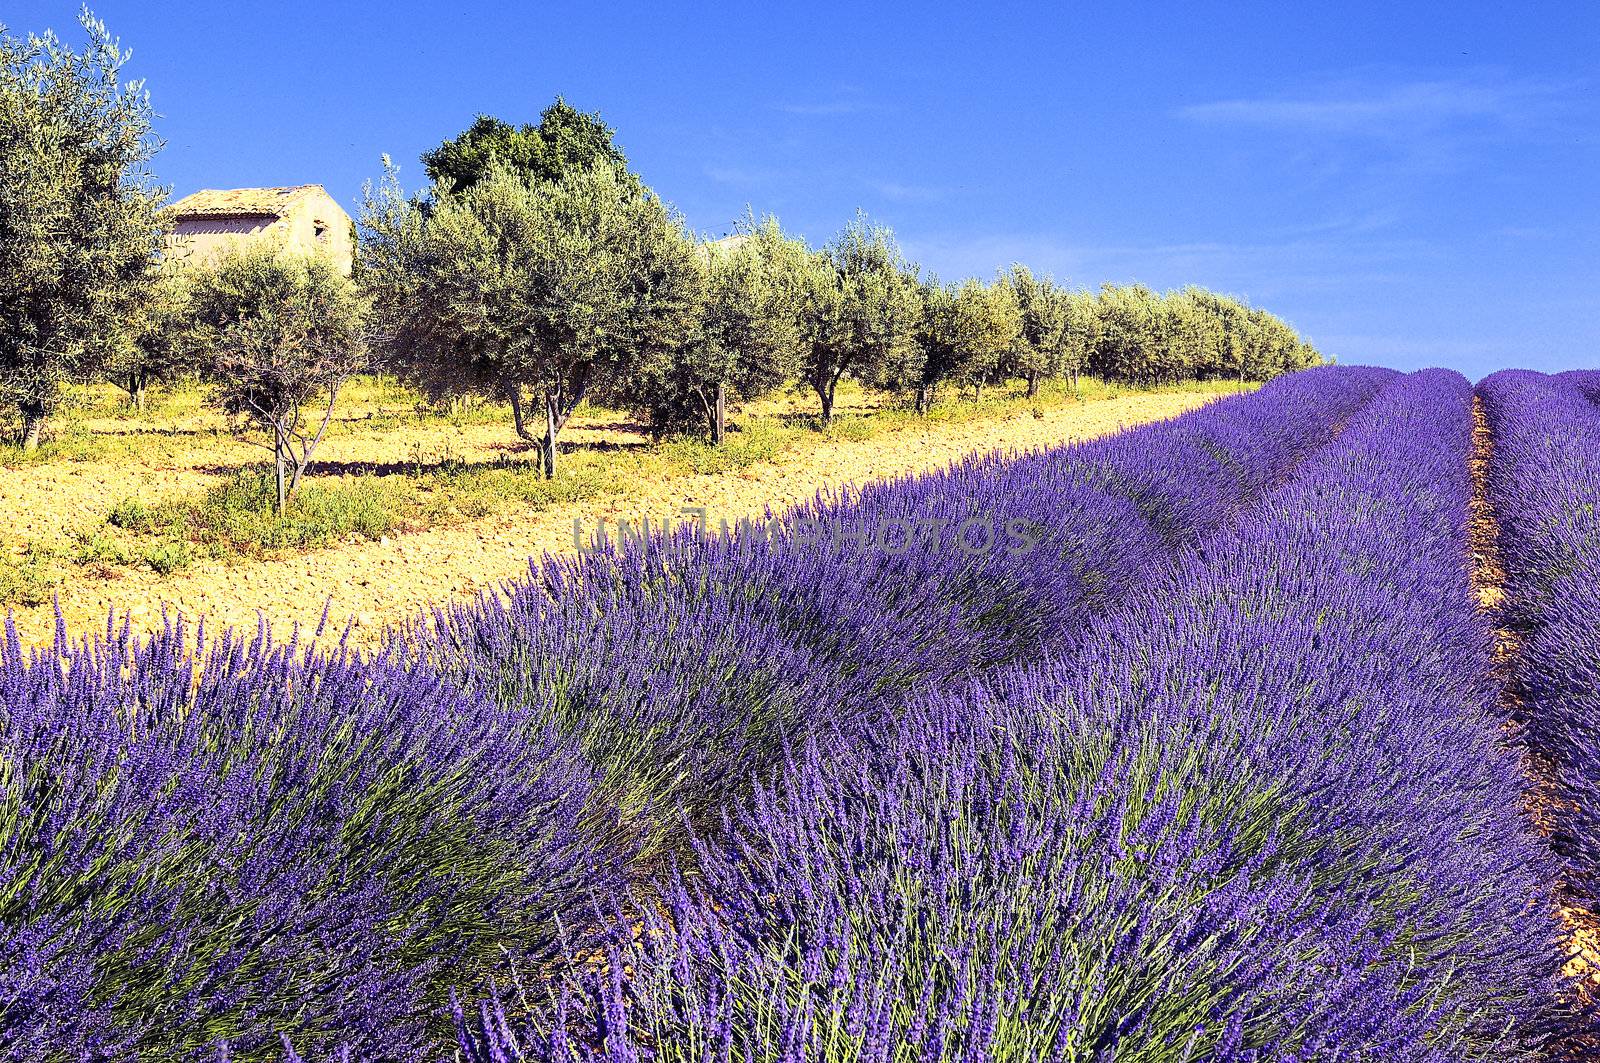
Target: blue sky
column 1411, row 184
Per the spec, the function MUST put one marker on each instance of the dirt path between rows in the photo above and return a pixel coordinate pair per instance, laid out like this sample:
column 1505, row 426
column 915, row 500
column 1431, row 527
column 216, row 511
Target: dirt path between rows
column 1579, row 926
column 373, row 584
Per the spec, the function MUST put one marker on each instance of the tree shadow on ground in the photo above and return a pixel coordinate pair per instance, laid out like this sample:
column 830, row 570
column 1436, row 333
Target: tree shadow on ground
column 520, row 456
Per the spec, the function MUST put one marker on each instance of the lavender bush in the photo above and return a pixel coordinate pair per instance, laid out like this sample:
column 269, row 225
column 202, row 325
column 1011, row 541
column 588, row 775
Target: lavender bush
column 683, row 664
column 227, row 851
column 1544, row 482
column 1263, row 812
column 248, row 840
column 1587, row 381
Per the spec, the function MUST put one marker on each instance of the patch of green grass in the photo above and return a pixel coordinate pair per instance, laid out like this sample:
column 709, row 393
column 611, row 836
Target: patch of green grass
column 756, row 441
column 238, row 518
column 168, row 557
column 176, row 418
column 857, row 427
column 32, row 572
column 99, row 546
column 31, row 575
column 63, row 440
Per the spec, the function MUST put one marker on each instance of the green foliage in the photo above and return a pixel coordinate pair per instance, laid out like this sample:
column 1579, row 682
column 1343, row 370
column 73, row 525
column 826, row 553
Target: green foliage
column 753, row 444
column 968, row 335
column 1129, row 331
column 932, row 355
column 749, row 339
column 860, row 310
column 128, row 513
column 240, row 516
column 1059, row 329
column 565, row 141
column 1145, row 338
column 155, row 344
column 31, row 575
column 68, row 441
column 169, row 557
column 78, row 223
column 988, row 331
column 281, row 330
column 508, row 287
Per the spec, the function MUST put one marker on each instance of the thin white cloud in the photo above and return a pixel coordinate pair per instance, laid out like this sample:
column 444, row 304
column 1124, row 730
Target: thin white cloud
column 1264, row 271
column 1524, row 232
column 903, row 193
column 1412, row 350
column 1343, row 225
column 813, row 178
column 833, row 107
column 1399, row 109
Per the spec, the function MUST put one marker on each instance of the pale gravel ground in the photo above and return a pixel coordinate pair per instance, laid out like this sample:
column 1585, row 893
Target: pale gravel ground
column 53, row 498
column 370, row 585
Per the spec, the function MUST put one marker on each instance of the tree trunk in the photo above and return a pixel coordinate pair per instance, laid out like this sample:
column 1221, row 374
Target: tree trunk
column 709, row 410
column 308, row 448
column 1075, row 382
column 924, row 399
column 719, row 418
column 825, row 394
column 32, row 423
column 513, row 397
column 549, row 446
column 559, row 402
column 278, row 462
column 1033, row 383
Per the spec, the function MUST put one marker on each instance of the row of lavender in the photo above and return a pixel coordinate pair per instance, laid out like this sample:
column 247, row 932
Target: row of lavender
column 242, row 839
column 688, row 664
column 1265, row 812
column 1544, row 482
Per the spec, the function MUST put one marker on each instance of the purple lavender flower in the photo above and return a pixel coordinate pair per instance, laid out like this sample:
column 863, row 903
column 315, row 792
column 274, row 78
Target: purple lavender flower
column 246, row 841
column 1263, row 810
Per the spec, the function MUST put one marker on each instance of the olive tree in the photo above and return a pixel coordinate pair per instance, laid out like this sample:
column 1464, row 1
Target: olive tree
column 78, row 212
column 1128, row 332
column 280, row 332
column 1080, row 332
column 860, row 309
column 1187, row 343
column 931, row 358
column 154, row 343
column 748, row 340
column 963, row 334
column 1241, row 341
column 987, row 332
column 1060, row 327
column 1272, row 346
column 1043, row 307
column 512, row 287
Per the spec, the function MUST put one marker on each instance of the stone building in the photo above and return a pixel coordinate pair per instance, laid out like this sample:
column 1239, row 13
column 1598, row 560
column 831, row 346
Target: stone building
column 301, row 218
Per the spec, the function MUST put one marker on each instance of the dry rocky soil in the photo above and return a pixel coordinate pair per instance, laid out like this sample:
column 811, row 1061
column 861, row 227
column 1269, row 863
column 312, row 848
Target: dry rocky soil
column 367, row 585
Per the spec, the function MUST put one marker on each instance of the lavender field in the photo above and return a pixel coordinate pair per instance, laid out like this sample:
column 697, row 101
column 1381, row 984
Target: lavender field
column 1267, row 732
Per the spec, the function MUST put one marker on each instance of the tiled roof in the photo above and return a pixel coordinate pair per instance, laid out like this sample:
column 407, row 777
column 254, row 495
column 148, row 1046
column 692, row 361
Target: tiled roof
column 241, row 202
column 725, row 246
column 730, row 244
